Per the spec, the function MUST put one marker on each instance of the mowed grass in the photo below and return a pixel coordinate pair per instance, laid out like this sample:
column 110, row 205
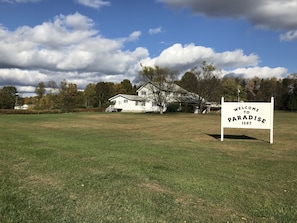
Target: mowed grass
column 102, row 167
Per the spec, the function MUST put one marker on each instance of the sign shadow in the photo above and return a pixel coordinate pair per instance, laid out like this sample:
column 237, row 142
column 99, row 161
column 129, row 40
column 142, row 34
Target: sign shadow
column 242, row 137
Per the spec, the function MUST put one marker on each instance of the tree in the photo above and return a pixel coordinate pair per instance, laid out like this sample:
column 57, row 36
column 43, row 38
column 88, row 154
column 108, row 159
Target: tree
column 189, row 82
column 162, row 83
column 104, row 90
column 208, row 84
column 8, row 97
column 67, row 94
column 40, row 92
column 252, row 88
column 90, row 96
column 80, row 99
column 292, row 102
column 290, row 98
column 45, row 102
column 231, row 89
column 127, row 87
column 53, row 87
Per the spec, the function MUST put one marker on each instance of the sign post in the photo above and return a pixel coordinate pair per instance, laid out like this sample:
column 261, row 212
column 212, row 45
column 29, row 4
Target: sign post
column 250, row 115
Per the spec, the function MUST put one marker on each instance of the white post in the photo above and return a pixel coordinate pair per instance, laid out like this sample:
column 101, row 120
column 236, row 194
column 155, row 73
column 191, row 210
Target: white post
column 222, row 127
column 271, row 119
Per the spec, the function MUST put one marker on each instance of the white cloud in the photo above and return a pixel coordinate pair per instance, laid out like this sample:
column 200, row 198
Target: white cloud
column 268, row 14
column 189, row 56
column 229, row 62
column 16, row 76
column 155, row 30
column 289, row 36
column 262, row 72
column 97, row 4
column 67, row 43
column 66, row 48
column 135, row 35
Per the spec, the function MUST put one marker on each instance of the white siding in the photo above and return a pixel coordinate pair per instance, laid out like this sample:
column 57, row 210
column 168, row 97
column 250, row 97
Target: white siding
column 125, row 105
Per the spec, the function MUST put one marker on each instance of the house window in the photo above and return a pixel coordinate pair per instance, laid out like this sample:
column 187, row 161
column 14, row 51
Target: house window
column 140, row 103
column 143, row 93
column 125, row 101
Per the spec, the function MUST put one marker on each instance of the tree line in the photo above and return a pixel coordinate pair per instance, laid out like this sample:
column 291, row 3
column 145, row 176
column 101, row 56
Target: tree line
column 204, row 80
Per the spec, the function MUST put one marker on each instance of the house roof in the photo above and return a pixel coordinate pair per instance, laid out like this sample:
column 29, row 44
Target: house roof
column 169, row 88
column 128, row 97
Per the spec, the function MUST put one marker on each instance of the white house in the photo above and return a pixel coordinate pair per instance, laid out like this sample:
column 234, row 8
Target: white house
column 127, row 103
column 21, row 107
column 146, row 101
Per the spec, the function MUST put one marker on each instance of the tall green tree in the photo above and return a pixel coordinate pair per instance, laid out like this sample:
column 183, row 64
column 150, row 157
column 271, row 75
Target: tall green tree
column 90, row 96
column 8, row 97
column 292, row 102
column 290, row 98
column 40, row 90
column 40, row 93
column 189, row 82
column 231, row 89
column 104, row 91
column 127, row 87
column 67, row 95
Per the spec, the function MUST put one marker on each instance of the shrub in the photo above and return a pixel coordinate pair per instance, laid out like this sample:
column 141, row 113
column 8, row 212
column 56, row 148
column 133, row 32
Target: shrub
column 173, row 107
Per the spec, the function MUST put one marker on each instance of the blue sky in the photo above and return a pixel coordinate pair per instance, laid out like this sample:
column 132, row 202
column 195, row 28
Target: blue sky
column 87, row 41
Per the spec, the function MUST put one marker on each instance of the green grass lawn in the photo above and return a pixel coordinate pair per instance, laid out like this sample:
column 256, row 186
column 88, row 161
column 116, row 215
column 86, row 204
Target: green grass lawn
column 116, row 167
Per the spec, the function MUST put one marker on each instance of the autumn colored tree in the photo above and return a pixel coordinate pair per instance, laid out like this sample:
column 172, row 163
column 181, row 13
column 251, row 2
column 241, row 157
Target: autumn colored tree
column 45, row 102
column 67, row 94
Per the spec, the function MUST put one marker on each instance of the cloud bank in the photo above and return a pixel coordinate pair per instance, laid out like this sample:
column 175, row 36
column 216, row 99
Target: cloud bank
column 265, row 14
column 68, row 47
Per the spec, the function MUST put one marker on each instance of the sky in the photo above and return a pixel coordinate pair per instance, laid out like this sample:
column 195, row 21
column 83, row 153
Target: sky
column 88, row 41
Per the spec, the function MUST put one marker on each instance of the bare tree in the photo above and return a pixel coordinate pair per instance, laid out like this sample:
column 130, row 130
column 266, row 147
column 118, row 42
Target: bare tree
column 208, row 84
column 162, row 84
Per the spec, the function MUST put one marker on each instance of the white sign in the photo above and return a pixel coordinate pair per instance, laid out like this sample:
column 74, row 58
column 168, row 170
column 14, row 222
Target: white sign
column 251, row 115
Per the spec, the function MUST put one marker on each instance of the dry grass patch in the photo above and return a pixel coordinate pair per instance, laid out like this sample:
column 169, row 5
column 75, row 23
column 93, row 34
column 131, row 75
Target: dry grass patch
column 154, row 187
column 42, row 181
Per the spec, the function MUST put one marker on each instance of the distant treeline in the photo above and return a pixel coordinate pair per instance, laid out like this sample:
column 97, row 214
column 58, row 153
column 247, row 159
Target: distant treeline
column 206, row 83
